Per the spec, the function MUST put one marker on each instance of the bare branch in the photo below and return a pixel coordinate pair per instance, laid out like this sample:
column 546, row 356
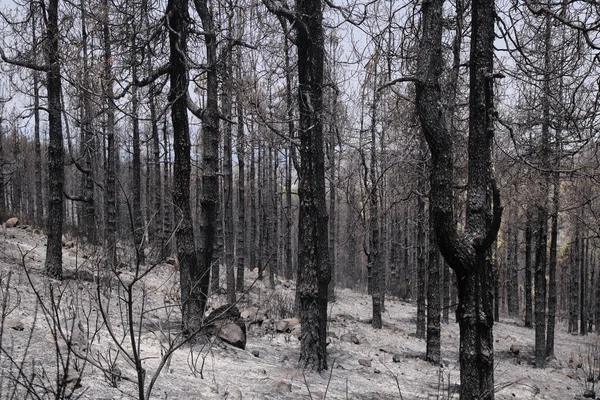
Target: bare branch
column 22, row 63
column 398, row 80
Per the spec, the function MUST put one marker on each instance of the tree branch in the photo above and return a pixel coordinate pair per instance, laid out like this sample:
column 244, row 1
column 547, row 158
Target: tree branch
column 398, row 80
column 22, row 63
column 164, row 69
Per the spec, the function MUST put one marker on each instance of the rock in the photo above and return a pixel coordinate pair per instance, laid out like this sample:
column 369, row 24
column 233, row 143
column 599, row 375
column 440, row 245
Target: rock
column 227, row 311
column 171, row 261
column 316, row 395
column 232, row 393
column 15, row 324
column 297, row 332
column 37, row 232
column 349, row 338
column 282, row 386
column 234, row 335
column 396, row 358
column 589, row 394
column 249, row 313
column 255, row 353
column 12, row 222
column 364, row 362
column 29, row 229
column 253, row 315
column 333, row 335
column 515, row 349
column 225, row 323
column 286, row 325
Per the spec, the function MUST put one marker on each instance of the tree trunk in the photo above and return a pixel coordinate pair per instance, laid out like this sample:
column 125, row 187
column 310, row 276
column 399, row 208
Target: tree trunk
column 583, row 287
column 240, row 150
column 111, row 151
column 138, row 220
column 421, row 271
column 407, row 291
column 574, row 289
column 200, row 276
column 540, row 290
column 167, row 222
column 374, row 256
column 552, row 294
column 332, row 198
column 528, row 271
column 468, row 254
column 253, row 222
column 542, row 238
column 191, row 274
column 447, row 284
column 39, row 198
column 433, row 353
column 229, row 234
column 3, row 210
column 53, row 264
column 290, row 154
column 314, row 271
column 512, row 268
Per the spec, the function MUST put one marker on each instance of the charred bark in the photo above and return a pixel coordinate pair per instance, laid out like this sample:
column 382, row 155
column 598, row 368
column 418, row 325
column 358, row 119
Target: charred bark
column 467, row 253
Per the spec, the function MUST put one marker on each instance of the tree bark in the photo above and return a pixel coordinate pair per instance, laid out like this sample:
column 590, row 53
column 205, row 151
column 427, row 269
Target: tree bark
column 433, row 352
column 552, row 293
column 512, row 267
column 447, row 284
column 53, row 264
column 138, row 220
column 583, row 287
column 467, row 253
column 191, row 274
column 241, row 154
column 540, row 289
column 421, row 271
column 314, row 271
column 200, row 276
column 229, row 233
column 528, row 271
column 39, row 198
column 110, row 213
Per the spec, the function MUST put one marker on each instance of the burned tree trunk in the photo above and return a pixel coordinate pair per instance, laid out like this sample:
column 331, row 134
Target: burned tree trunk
column 56, row 178
column 467, row 253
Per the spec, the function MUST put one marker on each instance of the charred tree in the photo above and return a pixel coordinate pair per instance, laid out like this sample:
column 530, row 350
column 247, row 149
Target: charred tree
column 467, row 253
column 56, row 177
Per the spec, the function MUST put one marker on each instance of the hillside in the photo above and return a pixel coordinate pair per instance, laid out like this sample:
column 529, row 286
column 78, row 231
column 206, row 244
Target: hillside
column 365, row 364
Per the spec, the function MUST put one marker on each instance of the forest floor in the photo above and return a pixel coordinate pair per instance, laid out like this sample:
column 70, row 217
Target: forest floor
column 34, row 337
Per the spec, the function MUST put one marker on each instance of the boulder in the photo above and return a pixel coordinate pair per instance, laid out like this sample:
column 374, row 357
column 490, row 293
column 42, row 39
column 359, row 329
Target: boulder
column 286, row 325
column 282, row 386
column 233, row 393
column 12, row 222
column 515, row 349
column 15, row 324
column 233, row 334
column 227, row 311
column 364, row 362
column 253, row 315
column 171, row 261
column 350, row 338
column 225, row 323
